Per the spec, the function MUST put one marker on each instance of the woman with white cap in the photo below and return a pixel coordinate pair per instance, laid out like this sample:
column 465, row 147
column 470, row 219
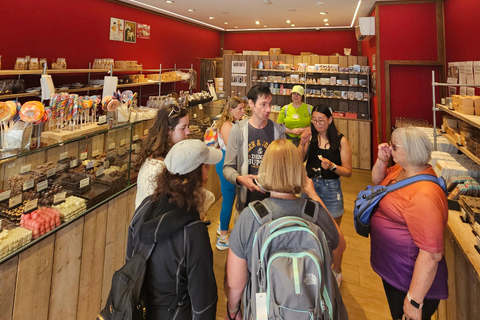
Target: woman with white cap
column 179, row 280
column 296, row 115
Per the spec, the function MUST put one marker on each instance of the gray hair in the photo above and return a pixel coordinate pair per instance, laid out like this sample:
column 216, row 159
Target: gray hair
column 417, row 145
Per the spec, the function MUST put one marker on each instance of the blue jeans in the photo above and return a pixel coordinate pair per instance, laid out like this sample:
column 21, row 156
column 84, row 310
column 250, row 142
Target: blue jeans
column 330, row 191
column 228, row 194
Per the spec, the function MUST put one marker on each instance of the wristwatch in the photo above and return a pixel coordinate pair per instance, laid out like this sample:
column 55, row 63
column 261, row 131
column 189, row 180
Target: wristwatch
column 334, row 168
column 414, row 302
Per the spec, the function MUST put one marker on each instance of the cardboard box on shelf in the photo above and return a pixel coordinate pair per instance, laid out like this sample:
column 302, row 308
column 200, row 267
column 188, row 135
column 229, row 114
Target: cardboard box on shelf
column 450, row 122
column 362, row 61
column 229, row 51
column 339, row 114
column 465, row 101
column 263, row 53
column 351, row 115
column 476, row 101
column 343, row 62
column 275, row 51
column 120, row 64
column 306, row 53
column 352, row 60
column 477, row 111
column 333, row 59
column 466, row 110
column 247, row 52
column 363, row 116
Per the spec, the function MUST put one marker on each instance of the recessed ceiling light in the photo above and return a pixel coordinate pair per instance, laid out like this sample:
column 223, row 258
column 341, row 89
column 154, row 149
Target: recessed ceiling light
column 226, row 12
column 292, row 9
column 211, row 18
column 293, row 25
column 236, row 27
column 288, row 21
column 257, row 22
column 169, row 1
column 324, row 13
column 264, row 26
column 327, row 24
column 225, row 22
column 321, row 2
column 191, row 10
column 325, row 20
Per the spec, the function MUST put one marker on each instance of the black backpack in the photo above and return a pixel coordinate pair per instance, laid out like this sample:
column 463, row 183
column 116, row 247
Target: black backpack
column 126, row 300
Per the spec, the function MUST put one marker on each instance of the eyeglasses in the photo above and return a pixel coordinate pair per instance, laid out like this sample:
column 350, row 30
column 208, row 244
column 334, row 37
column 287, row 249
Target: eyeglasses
column 175, row 110
column 321, row 121
column 394, row 146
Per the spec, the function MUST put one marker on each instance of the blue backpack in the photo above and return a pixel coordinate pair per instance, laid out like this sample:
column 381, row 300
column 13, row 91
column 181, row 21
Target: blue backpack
column 368, row 199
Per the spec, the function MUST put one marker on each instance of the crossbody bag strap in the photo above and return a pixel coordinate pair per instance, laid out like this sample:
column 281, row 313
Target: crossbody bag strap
column 421, row 177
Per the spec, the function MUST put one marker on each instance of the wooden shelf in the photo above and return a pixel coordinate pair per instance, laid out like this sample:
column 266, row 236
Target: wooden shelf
column 339, row 98
column 70, row 71
column 19, row 95
column 278, row 70
column 472, row 120
column 338, row 85
column 461, row 148
column 286, row 82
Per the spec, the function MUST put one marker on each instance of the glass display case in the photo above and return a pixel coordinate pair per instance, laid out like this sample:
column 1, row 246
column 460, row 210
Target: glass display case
column 46, row 188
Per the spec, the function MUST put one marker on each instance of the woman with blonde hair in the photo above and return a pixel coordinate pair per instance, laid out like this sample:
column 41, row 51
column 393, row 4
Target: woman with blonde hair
column 231, row 113
column 282, row 174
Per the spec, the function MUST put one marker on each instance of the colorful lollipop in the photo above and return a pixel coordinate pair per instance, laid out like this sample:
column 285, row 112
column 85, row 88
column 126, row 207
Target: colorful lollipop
column 32, row 111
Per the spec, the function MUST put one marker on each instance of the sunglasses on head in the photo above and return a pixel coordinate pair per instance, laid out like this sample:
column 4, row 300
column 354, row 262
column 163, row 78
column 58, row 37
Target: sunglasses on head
column 175, row 110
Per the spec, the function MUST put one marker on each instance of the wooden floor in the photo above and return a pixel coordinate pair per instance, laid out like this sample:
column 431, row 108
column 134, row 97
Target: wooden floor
column 361, row 289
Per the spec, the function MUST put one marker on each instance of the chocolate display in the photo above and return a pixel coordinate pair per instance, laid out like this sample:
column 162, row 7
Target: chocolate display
column 11, row 240
column 71, row 208
column 41, row 221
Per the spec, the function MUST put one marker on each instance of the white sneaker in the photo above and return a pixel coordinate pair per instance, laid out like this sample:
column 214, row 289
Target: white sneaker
column 338, row 277
column 218, row 229
column 222, row 243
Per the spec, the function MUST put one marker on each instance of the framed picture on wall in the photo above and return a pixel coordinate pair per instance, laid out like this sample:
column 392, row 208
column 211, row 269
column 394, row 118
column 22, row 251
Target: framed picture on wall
column 143, row 31
column 130, row 31
column 116, row 29
column 239, row 66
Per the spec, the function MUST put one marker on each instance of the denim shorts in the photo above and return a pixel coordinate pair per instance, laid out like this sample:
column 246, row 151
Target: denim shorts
column 330, row 191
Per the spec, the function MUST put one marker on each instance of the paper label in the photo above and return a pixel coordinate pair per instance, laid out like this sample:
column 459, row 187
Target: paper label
column 5, row 195
column 135, row 147
column 15, row 201
column 135, row 137
column 59, row 197
column 106, row 164
column 121, row 151
column 122, row 142
column 194, row 116
column 51, row 172
column 111, row 146
column 95, row 153
column 31, row 205
column 145, row 132
column 261, row 302
column 42, row 185
column 26, row 168
column 124, row 167
column 200, row 107
column 83, row 155
column 90, row 165
column 73, row 163
column 63, row 156
column 100, row 171
column 11, row 164
column 102, row 119
column 27, row 185
column 84, row 182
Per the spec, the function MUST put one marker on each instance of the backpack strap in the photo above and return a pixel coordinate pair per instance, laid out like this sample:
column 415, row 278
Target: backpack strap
column 260, row 212
column 286, row 107
column 310, row 210
column 309, row 110
column 421, row 177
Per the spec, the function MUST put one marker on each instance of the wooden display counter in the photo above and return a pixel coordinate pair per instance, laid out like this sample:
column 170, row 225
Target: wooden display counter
column 463, row 263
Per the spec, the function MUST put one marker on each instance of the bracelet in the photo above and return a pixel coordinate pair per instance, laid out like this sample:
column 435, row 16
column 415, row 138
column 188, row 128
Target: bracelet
column 235, row 312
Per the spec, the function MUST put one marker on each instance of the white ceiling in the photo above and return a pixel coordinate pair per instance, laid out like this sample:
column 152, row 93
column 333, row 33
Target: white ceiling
column 242, row 14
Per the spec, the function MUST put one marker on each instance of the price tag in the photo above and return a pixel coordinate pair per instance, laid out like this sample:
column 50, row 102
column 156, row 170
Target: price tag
column 135, row 137
column 100, row 171
column 135, row 147
column 27, row 185
column 15, row 201
column 111, row 146
column 145, row 132
column 194, row 116
column 102, row 119
column 42, row 185
column 121, row 151
column 51, row 172
column 95, row 153
column 5, row 195
column 63, row 156
column 200, row 107
column 73, row 163
column 26, row 168
column 84, row 182
column 11, row 164
column 124, row 167
column 59, row 197
column 90, row 165
column 31, row 205
column 122, row 142
column 106, row 164
column 83, row 155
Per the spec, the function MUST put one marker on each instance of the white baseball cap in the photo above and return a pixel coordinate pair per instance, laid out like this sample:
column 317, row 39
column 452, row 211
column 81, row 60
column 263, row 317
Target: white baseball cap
column 187, row 155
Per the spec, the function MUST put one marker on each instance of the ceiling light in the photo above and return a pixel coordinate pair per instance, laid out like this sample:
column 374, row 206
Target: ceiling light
column 257, row 22
column 327, row 24
column 226, row 12
column 292, row 9
column 236, row 27
column 191, row 10
column 325, row 20
column 264, row 26
column 169, row 1
column 324, row 13
column 288, row 21
column 211, row 18
column 321, row 2
column 292, row 25
column 225, row 22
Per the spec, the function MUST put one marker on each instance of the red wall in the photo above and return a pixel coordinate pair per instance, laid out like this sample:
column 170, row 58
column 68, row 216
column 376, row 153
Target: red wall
column 79, row 32
column 317, row 42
